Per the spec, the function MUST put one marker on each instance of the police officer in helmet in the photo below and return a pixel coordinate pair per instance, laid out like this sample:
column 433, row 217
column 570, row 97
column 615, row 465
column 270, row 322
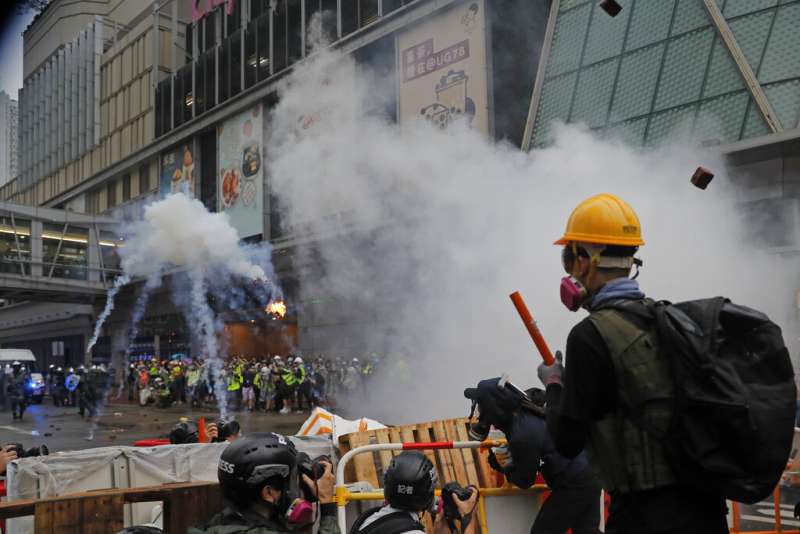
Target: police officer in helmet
column 409, row 485
column 263, row 493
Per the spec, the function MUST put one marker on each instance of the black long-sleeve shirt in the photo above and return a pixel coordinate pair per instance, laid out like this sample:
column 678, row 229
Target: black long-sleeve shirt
column 589, row 391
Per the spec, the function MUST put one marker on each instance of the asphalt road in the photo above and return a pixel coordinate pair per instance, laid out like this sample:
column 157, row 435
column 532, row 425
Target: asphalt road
column 120, row 423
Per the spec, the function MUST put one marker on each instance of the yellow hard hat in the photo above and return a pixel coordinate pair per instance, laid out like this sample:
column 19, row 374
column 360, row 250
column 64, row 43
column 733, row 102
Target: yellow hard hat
column 603, row 219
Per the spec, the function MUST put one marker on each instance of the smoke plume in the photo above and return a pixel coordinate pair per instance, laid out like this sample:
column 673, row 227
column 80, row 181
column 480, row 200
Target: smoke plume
column 427, row 232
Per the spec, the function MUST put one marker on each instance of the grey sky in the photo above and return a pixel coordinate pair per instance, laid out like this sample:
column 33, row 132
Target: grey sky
column 11, row 53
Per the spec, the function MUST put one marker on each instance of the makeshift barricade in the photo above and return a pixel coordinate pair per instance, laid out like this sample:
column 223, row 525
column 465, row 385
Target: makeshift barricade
column 514, row 516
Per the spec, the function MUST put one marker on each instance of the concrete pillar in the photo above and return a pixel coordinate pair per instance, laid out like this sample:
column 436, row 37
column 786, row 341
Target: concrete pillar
column 157, row 346
column 93, row 257
column 36, row 248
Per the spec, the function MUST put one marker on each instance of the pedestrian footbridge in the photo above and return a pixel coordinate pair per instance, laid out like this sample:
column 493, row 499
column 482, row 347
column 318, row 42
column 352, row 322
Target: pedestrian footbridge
column 55, row 255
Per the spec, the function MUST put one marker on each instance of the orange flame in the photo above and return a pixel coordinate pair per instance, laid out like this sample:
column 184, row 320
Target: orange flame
column 276, row 308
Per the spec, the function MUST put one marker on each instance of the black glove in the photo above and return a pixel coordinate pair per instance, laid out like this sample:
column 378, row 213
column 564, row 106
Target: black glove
column 494, row 464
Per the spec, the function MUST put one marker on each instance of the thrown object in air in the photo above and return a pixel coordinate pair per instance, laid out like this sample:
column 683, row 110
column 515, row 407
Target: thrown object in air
column 702, row 177
column 611, row 7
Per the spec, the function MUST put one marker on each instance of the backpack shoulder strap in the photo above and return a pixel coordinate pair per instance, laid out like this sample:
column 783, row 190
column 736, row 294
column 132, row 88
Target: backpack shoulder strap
column 394, row 523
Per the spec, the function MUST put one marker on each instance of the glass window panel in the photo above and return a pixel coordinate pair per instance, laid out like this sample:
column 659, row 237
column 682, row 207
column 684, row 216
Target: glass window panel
column 556, row 97
column 329, row 18
column 629, row 132
column 637, row 83
column 785, row 100
column 593, row 95
column 108, row 248
column 263, row 48
column 689, row 15
column 368, row 11
column 569, row 4
column 391, row 5
column 754, row 124
column 605, row 35
column 209, row 23
column 224, row 70
column 200, row 87
column 665, row 124
column 684, row 69
column 734, row 8
column 15, row 243
column 723, row 76
column 782, row 58
column 568, row 38
column 144, row 179
column 236, row 63
column 210, row 79
column 650, row 22
column 294, row 32
column 250, row 56
column 68, row 260
column 235, row 18
column 721, row 118
column 349, row 17
column 751, row 33
column 279, row 29
column 313, row 31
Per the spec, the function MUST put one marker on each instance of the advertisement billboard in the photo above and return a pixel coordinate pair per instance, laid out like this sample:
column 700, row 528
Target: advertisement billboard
column 179, row 170
column 240, row 181
column 443, row 70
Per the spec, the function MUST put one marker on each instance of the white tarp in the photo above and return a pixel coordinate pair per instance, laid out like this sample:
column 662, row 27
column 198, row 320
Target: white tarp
column 123, row 467
column 322, row 422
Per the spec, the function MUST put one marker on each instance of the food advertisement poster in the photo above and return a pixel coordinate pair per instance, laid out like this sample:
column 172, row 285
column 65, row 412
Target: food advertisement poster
column 179, row 170
column 240, row 182
column 442, row 65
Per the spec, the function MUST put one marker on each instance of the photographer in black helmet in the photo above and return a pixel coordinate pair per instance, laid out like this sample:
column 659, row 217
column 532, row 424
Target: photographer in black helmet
column 409, row 486
column 574, row 502
column 262, row 489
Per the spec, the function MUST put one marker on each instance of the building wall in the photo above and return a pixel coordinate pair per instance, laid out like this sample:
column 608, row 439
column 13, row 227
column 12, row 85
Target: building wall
column 116, row 116
column 8, row 138
column 660, row 65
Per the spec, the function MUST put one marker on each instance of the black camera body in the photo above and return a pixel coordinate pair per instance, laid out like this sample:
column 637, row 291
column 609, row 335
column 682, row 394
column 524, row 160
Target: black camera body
column 313, row 469
column 42, row 450
column 226, row 429
column 449, row 507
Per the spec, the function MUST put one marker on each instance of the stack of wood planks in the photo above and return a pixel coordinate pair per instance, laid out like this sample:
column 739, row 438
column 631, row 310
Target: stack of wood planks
column 465, row 466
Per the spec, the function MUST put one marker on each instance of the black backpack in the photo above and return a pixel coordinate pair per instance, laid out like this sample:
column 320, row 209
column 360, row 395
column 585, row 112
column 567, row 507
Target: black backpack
column 394, row 523
column 735, row 397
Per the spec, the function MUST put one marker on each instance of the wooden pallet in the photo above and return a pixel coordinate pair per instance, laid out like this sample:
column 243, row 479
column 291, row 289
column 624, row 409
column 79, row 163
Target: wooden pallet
column 465, row 466
column 185, row 504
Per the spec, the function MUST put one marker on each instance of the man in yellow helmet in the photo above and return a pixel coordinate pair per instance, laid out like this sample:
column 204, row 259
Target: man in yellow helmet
column 611, row 357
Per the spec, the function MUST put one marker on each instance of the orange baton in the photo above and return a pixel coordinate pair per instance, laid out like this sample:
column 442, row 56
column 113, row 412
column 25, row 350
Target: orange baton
column 533, row 330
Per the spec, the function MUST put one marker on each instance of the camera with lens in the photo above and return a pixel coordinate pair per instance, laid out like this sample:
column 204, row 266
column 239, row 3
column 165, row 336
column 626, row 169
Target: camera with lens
column 226, row 429
column 41, row 450
column 313, row 469
column 449, row 507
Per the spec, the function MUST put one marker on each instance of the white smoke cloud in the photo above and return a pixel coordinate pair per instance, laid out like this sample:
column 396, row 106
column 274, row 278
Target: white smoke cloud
column 435, row 229
column 179, row 232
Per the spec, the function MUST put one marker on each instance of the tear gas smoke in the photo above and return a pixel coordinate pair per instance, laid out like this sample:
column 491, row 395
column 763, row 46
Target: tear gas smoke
column 427, row 233
column 179, row 234
column 109, row 307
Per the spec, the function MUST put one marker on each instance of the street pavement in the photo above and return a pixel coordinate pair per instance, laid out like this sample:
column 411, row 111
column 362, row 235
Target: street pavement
column 120, row 423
